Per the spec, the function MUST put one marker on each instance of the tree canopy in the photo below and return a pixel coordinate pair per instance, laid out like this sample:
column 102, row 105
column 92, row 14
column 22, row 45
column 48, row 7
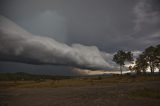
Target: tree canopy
column 121, row 56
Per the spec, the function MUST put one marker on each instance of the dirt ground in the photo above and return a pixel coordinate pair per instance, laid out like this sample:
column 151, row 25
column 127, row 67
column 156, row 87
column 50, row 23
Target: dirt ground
column 117, row 94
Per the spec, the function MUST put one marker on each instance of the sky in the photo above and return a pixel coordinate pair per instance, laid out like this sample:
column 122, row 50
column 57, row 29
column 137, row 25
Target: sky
column 108, row 25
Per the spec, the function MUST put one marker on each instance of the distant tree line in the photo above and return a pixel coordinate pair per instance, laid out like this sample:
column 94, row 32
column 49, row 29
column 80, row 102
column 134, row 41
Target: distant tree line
column 21, row 76
column 150, row 58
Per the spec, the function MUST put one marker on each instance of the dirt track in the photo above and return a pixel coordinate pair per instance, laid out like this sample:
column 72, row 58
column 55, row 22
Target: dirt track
column 109, row 95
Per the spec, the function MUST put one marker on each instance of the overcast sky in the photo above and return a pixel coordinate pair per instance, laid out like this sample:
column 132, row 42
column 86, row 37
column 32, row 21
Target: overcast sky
column 108, row 24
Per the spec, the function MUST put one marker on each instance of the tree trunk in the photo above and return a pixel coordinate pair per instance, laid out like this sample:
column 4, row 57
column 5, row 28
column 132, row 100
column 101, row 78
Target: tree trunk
column 121, row 69
column 139, row 72
column 151, row 68
column 144, row 72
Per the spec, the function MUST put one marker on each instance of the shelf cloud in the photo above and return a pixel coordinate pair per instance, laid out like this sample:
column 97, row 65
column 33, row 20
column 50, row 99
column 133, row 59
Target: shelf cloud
column 19, row 45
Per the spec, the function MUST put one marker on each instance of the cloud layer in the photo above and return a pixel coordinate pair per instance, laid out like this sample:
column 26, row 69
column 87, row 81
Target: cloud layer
column 147, row 14
column 18, row 45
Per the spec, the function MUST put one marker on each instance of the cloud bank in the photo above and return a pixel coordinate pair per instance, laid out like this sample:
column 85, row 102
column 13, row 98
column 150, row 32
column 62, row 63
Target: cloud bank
column 18, row 45
column 147, row 14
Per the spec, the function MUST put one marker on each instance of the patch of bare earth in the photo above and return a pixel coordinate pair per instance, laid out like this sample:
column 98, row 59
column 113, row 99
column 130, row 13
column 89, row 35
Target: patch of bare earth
column 117, row 94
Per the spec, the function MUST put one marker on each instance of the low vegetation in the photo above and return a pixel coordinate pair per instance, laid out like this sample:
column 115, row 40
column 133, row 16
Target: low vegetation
column 24, row 80
column 146, row 93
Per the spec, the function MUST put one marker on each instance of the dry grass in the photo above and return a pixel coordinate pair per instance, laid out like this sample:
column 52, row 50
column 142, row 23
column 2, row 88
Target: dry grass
column 76, row 82
column 105, row 91
column 146, row 92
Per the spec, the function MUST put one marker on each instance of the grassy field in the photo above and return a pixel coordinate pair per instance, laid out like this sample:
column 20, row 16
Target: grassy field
column 95, row 91
column 153, row 93
column 76, row 82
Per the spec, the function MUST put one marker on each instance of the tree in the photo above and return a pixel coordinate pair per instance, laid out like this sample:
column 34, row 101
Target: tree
column 141, row 64
column 150, row 57
column 130, row 68
column 137, row 69
column 120, row 57
column 129, row 56
column 157, row 57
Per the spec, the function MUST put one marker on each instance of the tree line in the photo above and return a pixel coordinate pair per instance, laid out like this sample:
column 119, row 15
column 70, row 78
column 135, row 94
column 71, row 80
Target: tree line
column 21, row 76
column 149, row 58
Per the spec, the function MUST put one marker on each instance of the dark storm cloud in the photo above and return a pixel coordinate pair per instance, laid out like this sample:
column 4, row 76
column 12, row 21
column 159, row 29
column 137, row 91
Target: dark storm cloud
column 147, row 22
column 108, row 24
column 147, row 14
column 35, row 69
column 103, row 22
column 16, row 44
